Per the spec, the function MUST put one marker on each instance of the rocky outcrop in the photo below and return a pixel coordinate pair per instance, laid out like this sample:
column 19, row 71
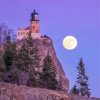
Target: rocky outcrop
column 45, row 46
column 14, row 92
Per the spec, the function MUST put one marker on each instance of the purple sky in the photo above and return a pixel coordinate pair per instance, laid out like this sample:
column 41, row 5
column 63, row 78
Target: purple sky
column 58, row 18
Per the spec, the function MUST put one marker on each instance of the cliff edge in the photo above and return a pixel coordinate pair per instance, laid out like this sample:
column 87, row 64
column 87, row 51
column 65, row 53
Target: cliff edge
column 45, row 46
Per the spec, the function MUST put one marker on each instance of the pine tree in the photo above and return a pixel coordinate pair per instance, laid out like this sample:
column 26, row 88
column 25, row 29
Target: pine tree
column 33, row 52
column 82, row 80
column 49, row 74
column 2, row 67
column 75, row 90
column 34, row 62
column 22, row 59
column 9, row 54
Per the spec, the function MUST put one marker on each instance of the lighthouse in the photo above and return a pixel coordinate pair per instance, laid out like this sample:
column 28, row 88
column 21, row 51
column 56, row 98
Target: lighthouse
column 34, row 25
column 34, row 28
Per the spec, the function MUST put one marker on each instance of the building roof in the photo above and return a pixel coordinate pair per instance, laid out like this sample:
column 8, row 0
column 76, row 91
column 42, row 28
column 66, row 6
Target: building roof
column 33, row 15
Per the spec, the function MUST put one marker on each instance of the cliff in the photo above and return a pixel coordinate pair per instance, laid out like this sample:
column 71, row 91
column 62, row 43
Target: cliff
column 45, row 45
column 23, row 92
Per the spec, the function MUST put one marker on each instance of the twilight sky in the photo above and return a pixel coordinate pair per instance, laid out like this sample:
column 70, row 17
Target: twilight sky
column 59, row 18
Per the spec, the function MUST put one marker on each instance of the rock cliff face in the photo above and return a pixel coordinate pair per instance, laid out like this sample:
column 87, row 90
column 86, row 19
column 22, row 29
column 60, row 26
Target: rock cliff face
column 45, row 45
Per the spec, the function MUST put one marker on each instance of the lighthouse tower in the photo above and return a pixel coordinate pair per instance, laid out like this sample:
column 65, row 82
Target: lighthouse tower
column 33, row 28
column 34, row 25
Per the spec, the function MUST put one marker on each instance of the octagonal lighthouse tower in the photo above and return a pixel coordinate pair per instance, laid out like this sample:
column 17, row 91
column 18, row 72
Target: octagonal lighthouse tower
column 34, row 28
column 34, row 25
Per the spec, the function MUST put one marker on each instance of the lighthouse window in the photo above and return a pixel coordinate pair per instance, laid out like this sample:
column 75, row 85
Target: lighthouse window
column 37, row 31
column 33, row 27
column 36, row 21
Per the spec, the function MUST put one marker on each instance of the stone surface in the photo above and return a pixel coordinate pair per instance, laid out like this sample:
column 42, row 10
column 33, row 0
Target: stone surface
column 45, row 46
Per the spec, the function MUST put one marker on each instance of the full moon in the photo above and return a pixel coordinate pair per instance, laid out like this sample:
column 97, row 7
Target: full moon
column 69, row 42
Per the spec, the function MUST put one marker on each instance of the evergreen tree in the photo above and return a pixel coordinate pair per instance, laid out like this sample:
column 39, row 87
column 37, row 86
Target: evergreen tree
column 10, row 75
column 22, row 59
column 9, row 54
column 34, row 66
column 82, row 80
column 48, row 76
column 2, row 67
column 34, row 62
column 33, row 52
column 75, row 90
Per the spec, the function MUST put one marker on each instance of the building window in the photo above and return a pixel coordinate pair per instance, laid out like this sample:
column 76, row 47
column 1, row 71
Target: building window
column 33, row 27
column 36, row 22
column 37, row 31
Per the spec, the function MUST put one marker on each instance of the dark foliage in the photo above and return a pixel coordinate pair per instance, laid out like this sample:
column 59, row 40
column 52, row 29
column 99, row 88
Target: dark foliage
column 9, row 54
column 15, row 64
column 22, row 59
column 75, row 90
column 48, row 76
column 82, row 80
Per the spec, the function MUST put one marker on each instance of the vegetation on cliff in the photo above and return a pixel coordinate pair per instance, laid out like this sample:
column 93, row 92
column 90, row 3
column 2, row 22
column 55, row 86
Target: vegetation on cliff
column 49, row 74
column 19, row 66
column 82, row 86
